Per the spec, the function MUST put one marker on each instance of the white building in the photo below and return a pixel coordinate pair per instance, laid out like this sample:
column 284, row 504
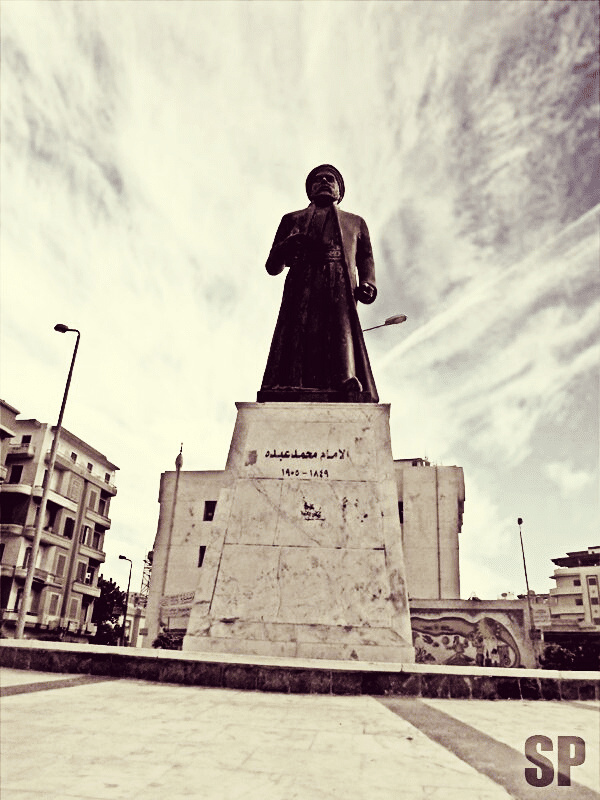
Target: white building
column 575, row 601
column 430, row 506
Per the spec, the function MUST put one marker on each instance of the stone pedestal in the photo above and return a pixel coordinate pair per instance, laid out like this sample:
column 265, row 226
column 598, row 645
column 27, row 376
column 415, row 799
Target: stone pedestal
column 305, row 556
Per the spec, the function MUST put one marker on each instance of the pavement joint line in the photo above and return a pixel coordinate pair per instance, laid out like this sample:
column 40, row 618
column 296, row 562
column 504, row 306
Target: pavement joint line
column 485, row 754
column 42, row 686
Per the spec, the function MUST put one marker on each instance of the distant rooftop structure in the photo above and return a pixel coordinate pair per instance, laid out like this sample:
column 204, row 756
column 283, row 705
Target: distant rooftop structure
column 580, row 558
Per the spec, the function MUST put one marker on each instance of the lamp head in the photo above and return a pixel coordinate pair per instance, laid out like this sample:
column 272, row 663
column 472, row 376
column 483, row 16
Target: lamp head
column 123, row 557
column 61, row 328
column 396, row 320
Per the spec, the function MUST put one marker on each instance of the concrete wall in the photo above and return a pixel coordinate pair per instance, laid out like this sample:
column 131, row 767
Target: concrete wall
column 181, row 532
column 301, row 677
column 433, row 499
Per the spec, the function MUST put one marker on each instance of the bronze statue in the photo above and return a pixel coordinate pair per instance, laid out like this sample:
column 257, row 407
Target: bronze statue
column 318, row 351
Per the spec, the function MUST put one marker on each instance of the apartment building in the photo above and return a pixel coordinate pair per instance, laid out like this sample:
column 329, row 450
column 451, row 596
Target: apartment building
column 8, row 415
column 576, row 601
column 77, row 518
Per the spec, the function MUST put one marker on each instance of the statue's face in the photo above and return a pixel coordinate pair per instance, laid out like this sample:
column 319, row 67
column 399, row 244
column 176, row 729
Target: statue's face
column 324, row 186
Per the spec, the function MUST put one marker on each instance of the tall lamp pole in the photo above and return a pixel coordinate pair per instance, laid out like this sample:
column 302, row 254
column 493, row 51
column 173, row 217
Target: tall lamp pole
column 37, row 536
column 124, row 558
column 531, row 629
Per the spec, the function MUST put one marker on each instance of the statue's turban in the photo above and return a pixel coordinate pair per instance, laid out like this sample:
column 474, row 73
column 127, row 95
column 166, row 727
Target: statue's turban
column 329, row 168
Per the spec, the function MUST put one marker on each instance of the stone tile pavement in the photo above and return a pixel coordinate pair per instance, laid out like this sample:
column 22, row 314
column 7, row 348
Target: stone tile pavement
column 85, row 738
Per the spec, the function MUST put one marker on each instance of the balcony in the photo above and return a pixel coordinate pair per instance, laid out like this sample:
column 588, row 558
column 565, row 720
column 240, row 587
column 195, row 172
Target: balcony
column 10, row 529
column 565, row 590
column 48, row 578
column 20, row 451
column 65, row 463
column 56, row 497
column 98, row 518
column 48, row 536
column 86, row 588
column 18, row 488
column 92, row 552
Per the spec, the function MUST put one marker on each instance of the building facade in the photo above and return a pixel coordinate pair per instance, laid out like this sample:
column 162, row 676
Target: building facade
column 77, row 518
column 430, row 506
column 8, row 416
column 575, row 601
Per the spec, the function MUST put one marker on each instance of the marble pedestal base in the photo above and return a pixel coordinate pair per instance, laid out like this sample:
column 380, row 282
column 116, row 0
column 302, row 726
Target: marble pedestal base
column 305, row 556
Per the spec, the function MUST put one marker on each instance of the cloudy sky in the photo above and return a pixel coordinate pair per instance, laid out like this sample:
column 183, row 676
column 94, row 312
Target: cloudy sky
column 149, row 150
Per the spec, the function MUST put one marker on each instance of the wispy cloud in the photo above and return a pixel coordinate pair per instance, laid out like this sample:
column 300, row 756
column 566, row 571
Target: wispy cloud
column 569, row 480
column 149, row 150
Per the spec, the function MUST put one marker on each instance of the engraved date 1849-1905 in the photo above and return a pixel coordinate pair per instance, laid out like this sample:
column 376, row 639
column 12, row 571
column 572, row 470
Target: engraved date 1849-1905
column 307, row 473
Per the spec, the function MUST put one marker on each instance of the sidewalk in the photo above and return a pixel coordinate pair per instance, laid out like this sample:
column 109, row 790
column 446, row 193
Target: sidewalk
column 66, row 736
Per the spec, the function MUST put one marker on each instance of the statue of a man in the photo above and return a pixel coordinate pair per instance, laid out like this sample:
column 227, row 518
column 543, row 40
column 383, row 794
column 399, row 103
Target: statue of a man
column 318, row 351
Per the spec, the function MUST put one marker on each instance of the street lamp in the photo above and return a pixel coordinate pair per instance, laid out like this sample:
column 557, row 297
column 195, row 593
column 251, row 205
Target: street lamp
column 124, row 558
column 531, row 628
column 396, row 320
column 37, row 536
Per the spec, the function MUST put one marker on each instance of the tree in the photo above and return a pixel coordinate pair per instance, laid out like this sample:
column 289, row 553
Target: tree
column 107, row 610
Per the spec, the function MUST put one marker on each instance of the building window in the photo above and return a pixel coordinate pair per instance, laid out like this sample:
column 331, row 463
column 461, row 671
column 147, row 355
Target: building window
column 596, row 620
column 578, row 601
column 53, row 605
column 61, row 561
column 594, row 601
column 81, row 570
column 401, row 511
column 69, row 528
column 34, row 604
column 75, row 489
column 73, row 457
column 2, row 546
column 201, row 554
column 85, row 605
column 74, row 607
column 26, row 439
column 15, row 473
column 209, row 510
column 85, row 534
column 92, row 501
column 90, row 467
column 103, row 507
column 593, row 581
column 107, row 477
column 89, row 576
column 27, row 558
column 576, row 582
column 97, row 540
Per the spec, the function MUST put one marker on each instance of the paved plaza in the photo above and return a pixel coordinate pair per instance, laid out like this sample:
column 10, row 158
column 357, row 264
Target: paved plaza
column 66, row 736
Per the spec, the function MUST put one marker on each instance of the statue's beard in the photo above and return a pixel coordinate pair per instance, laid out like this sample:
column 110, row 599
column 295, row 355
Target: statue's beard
column 324, row 198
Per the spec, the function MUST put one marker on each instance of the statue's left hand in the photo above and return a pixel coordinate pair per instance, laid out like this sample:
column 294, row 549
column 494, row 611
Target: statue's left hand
column 365, row 292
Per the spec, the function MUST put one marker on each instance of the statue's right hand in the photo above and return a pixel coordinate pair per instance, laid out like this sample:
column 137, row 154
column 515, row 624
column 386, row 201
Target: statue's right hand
column 292, row 247
column 294, row 242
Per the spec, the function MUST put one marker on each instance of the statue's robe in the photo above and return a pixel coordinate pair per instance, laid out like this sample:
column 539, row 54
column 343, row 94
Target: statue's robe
column 318, row 346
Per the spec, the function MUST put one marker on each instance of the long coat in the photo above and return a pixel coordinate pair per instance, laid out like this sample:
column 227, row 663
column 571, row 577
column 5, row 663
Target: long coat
column 318, row 344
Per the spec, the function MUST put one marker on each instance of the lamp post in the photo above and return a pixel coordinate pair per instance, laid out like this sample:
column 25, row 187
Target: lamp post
column 396, row 320
column 531, row 629
column 124, row 558
column 37, row 536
